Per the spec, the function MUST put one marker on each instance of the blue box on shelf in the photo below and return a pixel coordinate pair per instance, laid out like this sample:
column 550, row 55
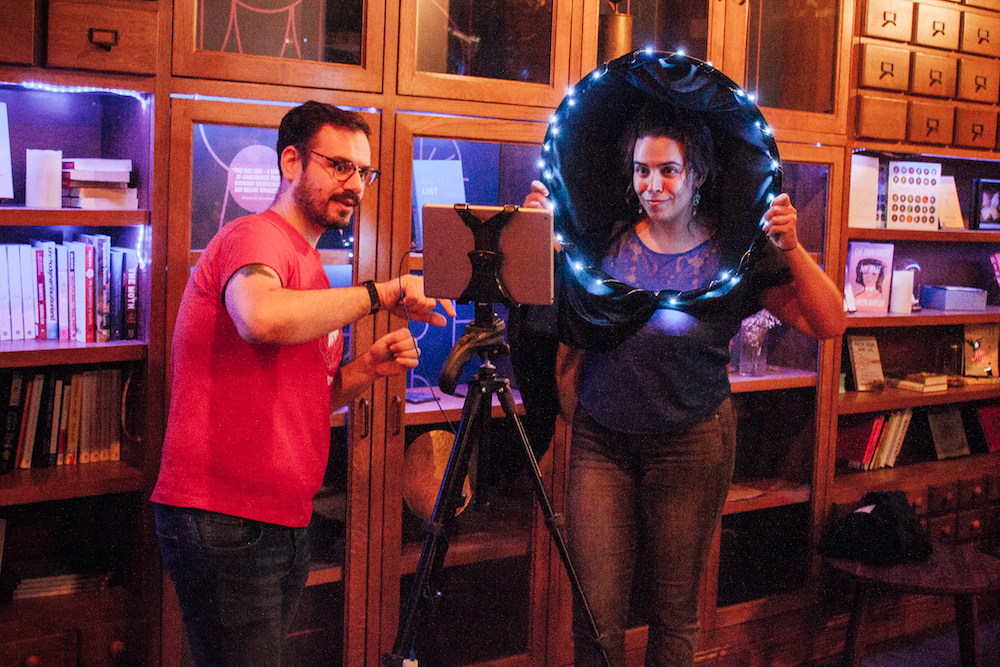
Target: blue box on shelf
column 952, row 297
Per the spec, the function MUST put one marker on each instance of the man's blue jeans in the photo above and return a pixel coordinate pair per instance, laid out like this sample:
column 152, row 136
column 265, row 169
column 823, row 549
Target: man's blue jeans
column 651, row 497
column 238, row 583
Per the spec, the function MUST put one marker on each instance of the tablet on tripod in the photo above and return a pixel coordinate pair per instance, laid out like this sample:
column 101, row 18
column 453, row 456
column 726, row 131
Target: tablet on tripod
column 524, row 243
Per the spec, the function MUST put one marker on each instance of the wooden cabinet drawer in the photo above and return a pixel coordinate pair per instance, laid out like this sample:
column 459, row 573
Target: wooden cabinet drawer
column 941, row 528
column 109, row 645
column 19, row 30
column 980, row 34
column 973, row 492
column 941, row 499
column 889, row 19
column 885, row 67
column 985, row 4
column 933, row 75
column 970, row 525
column 918, row 501
column 881, row 118
column 937, row 26
column 975, row 128
column 113, row 36
column 978, row 80
column 930, row 123
column 50, row 651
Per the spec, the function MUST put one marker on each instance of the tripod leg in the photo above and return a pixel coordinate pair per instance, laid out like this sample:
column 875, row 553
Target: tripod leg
column 436, row 542
column 552, row 520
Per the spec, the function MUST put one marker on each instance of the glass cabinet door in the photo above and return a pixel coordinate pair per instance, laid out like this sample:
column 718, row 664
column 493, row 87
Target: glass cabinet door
column 314, row 43
column 676, row 25
column 226, row 152
column 793, row 57
column 498, row 557
column 507, row 51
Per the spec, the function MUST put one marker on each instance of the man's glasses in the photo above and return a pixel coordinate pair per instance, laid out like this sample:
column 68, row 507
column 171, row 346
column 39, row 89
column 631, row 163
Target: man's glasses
column 344, row 169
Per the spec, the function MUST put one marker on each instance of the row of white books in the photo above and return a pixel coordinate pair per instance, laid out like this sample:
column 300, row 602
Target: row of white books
column 83, row 290
column 98, row 184
column 53, row 417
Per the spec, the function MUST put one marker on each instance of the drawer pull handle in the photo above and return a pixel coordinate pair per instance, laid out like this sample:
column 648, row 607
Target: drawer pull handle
column 102, row 39
column 977, row 133
column 984, row 36
column 364, row 408
column 980, row 83
column 887, row 70
column 888, row 18
column 933, row 125
column 937, row 76
column 937, row 28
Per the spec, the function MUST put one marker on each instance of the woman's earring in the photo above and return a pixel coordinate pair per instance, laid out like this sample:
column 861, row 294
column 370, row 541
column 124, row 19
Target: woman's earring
column 695, row 200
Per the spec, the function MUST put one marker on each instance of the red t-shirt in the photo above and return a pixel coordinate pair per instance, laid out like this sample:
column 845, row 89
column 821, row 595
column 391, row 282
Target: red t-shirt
column 248, row 431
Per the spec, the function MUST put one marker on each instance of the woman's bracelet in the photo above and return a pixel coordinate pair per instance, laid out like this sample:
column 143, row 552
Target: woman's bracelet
column 790, row 249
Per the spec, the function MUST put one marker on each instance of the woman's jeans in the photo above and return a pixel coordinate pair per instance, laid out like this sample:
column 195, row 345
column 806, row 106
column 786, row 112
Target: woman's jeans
column 238, row 583
column 652, row 501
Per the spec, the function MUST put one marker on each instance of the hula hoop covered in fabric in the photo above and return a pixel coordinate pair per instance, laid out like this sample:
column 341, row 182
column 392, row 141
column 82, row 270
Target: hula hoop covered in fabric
column 582, row 167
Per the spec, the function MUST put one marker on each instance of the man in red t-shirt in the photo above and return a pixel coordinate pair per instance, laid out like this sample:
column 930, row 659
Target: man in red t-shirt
column 255, row 365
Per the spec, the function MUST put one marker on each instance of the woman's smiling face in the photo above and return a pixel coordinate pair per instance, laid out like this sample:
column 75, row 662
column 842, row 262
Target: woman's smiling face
column 661, row 179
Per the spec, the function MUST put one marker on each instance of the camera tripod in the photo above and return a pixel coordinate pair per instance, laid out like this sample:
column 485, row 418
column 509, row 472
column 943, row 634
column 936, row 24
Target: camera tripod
column 483, row 336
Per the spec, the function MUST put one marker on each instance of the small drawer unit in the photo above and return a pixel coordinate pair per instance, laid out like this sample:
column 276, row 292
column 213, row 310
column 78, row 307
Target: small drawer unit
column 881, row 118
column 942, row 499
column 975, row 128
column 933, row 75
column 108, row 36
column 930, row 123
column 978, row 79
column 973, row 492
column 985, row 4
column 970, row 525
column 980, row 34
column 937, row 27
column 889, row 19
column 942, row 528
column 885, row 67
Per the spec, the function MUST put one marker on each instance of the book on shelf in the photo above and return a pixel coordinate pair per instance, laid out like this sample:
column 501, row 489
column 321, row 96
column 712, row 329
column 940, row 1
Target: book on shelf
column 101, row 203
column 29, row 290
column 989, row 419
column 40, row 455
column 32, row 406
column 115, row 419
column 54, row 419
column 71, row 176
column 866, row 365
column 62, row 290
column 48, row 289
column 947, row 432
column 869, row 275
column 73, row 423
column 950, row 208
column 904, row 417
column 878, row 454
column 911, row 382
column 13, row 410
column 98, row 163
column 117, row 281
column 102, row 284
column 981, row 343
column 130, row 294
column 12, row 256
column 863, row 203
column 6, row 333
column 81, row 261
column 63, row 438
column 857, row 437
column 995, row 263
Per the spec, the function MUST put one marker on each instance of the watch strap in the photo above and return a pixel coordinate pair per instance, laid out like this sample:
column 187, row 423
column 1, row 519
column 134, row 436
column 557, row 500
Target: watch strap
column 373, row 295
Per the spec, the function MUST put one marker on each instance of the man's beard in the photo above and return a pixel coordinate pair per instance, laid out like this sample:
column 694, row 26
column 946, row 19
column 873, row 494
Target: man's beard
column 317, row 212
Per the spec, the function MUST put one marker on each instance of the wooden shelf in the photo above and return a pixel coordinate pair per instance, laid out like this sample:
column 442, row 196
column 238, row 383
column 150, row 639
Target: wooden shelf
column 925, row 317
column 777, row 378
column 764, row 494
column 36, row 616
column 22, row 216
column 935, row 236
column 36, row 485
column 324, row 573
column 468, row 549
column 22, row 353
column 849, row 487
column 857, row 402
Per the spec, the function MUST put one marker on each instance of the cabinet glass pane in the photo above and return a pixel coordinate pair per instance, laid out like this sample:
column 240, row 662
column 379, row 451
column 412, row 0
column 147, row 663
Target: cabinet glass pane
column 235, row 173
column 808, row 186
column 316, row 30
column 791, row 58
column 496, row 39
column 671, row 25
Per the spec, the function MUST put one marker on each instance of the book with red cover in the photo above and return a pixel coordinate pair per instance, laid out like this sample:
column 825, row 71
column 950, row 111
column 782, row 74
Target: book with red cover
column 989, row 419
column 857, row 436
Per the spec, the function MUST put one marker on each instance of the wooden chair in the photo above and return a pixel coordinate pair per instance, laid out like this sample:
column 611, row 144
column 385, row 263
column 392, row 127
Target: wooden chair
column 956, row 570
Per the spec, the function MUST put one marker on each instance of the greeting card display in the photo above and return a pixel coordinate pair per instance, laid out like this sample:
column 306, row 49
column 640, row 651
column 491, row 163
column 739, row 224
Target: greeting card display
column 869, row 275
column 912, row 194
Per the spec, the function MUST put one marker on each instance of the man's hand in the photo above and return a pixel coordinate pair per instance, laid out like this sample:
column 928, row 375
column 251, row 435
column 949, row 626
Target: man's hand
column 393, row 354
column 408, row 291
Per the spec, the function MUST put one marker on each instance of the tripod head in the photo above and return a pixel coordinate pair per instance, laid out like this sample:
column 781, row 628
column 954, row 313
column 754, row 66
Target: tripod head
column 483, row 336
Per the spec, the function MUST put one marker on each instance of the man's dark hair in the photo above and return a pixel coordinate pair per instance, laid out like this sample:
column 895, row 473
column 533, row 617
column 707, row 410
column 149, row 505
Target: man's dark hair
column 303, row 123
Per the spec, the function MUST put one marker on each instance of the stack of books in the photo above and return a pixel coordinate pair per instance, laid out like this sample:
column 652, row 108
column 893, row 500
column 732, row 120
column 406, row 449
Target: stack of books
column 924, row 382
column 872, row 441
column 98, row 184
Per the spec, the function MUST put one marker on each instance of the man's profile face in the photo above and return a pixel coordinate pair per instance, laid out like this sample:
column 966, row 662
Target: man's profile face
column 320, row 197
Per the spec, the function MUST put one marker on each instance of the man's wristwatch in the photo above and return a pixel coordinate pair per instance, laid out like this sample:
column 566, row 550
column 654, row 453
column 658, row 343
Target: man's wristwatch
column 373, row 295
